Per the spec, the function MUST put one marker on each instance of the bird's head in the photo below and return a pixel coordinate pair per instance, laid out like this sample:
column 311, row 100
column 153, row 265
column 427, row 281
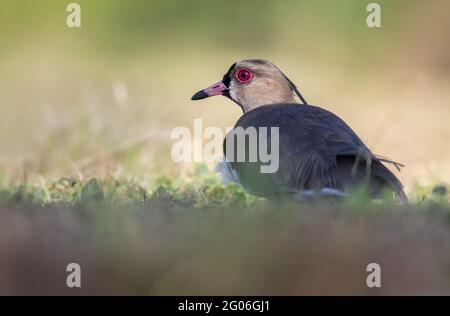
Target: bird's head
column 253, row 83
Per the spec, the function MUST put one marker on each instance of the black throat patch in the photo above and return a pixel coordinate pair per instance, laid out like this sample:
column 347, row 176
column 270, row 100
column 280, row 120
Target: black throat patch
column 227, row 78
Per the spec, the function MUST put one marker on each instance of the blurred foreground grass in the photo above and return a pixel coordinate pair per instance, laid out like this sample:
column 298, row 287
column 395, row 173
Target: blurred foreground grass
column 196, row 236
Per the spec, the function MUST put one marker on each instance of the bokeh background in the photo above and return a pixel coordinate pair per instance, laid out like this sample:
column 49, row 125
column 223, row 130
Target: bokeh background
column 104, row 98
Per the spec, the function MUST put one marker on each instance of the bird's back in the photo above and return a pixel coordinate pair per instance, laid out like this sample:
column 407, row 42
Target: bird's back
column 317, row 150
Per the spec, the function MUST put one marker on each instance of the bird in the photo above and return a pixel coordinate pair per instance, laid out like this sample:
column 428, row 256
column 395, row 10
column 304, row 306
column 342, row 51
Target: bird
column 319, row 154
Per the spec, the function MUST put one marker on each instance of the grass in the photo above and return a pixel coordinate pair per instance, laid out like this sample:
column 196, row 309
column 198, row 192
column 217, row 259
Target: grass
column 197, row 236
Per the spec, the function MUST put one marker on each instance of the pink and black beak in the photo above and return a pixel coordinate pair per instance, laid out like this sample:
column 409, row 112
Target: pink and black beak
column 219, row 88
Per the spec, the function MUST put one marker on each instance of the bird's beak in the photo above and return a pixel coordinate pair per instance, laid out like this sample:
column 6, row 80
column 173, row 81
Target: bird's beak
column 216, row 89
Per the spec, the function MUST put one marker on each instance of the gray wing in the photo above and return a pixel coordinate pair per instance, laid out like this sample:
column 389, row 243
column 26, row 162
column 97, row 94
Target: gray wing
column 317, row 150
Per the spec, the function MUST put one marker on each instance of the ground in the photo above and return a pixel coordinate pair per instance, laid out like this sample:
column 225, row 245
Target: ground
column 205, row 238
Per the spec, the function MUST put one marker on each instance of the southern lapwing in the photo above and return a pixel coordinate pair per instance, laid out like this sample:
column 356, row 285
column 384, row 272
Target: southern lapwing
column 319, row 154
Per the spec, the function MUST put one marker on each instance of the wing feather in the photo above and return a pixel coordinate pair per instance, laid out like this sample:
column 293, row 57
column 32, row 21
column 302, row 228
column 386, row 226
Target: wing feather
column 311, row 144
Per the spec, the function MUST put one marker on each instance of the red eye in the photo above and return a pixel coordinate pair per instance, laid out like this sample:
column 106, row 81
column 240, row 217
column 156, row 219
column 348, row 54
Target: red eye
column 243, row 75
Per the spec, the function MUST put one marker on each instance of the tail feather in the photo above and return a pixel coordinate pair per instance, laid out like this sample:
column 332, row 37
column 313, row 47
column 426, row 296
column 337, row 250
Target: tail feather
column 397, row 165
column 381, row 172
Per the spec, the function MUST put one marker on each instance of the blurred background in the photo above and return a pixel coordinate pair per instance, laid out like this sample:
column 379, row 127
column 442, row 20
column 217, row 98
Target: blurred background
column 103, row 99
